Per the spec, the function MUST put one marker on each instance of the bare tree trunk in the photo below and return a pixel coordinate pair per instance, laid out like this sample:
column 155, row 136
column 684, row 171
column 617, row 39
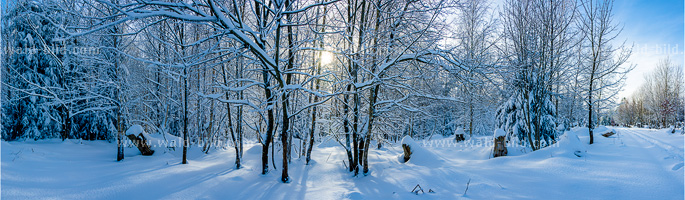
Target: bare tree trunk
column 185, row 96
column 311, row 131
column 527, row 111
column 470, row 115
column 316, row 98
column 239, row 118
column 230, row 123
column 590, row 126
column 269, row 126
column 373, row 96
column 284, row 98
column 209, row 136
column 261, row 18
column 120, row 133
column 346, row 126
column 352, row 69
column 185, row 116
column 373, row 93
column 120, row 123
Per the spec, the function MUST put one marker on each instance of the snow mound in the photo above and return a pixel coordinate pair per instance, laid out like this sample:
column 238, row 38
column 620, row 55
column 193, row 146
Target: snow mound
column 460, row 131
column 673, row 130
column 138, row 129
column 569, row 145
column 409, row 141
column 327, row 142
column 419, row 155
column 500, row 132
column 135, row 130
column 160, row 142
column 254, row 150
column 561, row 127
column 602, row 130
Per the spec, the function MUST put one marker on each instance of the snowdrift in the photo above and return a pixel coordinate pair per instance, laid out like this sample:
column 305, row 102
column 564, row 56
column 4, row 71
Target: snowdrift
column 602, row 130
column 640, row 164
column 160, row 142
column 420, row 155
column 569, row 145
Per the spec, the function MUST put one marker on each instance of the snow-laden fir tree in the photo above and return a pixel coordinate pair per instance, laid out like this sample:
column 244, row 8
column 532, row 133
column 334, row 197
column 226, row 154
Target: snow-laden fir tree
column 31, row 107
column 53, row 86
column 539, row 43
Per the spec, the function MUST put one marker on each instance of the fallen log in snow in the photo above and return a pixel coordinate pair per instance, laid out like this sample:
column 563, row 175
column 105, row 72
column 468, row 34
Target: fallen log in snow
column 607, row 134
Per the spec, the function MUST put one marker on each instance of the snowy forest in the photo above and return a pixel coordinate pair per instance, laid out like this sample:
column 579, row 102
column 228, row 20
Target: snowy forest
column 271, row 82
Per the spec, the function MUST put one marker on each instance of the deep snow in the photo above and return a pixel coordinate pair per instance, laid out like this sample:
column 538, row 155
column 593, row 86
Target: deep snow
column 634, row 164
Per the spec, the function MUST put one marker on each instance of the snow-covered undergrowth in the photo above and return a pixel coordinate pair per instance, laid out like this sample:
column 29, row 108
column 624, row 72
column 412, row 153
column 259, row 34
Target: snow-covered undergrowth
column 634, row 164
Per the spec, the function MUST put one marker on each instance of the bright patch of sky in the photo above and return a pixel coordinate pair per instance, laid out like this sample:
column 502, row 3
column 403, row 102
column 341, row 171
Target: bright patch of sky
column 655, row 30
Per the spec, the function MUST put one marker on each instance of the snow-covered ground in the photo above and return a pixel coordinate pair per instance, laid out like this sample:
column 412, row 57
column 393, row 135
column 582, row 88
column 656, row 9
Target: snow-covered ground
column 634, row 164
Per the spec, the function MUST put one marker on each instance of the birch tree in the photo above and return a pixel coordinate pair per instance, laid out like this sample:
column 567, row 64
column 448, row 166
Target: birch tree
column 602, row 64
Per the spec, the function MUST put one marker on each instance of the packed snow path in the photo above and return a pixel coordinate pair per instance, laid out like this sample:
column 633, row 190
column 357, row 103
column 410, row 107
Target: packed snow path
column 673, row 149
column 634, row 164
column 657, row 162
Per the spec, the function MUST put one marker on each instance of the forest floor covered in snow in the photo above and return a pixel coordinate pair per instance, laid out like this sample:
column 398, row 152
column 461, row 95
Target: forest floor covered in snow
column 634, row 164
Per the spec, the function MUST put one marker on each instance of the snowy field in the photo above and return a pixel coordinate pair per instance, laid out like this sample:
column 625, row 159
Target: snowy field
column 635, row 164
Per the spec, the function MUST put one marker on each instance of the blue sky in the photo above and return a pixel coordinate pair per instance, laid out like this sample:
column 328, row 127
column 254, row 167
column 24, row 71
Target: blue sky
column 655, row 28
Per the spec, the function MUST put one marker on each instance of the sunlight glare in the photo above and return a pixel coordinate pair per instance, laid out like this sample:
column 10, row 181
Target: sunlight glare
column 326, row 57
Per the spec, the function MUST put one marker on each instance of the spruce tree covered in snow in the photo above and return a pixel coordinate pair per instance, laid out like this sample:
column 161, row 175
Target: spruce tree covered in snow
column 30, row 74
column 539, row 40
column 44, row 81
column 55, row 86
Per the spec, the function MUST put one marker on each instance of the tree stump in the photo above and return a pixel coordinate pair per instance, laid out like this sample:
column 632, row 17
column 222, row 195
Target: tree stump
column 141, row 142
column 500, row 148
column 407, row 152
column 459, row 137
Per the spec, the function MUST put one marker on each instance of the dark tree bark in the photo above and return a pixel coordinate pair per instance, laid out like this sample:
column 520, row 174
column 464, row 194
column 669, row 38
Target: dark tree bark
column 230, row 124
column 270, row 123
column 261, row 18
column 185, row 98
column 285, row 102
column 120, row 134
column 185, row 116
column 407, row 152
column 346, row 126
column 590, row 126
column 141, row 142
